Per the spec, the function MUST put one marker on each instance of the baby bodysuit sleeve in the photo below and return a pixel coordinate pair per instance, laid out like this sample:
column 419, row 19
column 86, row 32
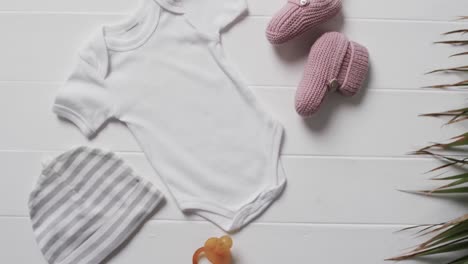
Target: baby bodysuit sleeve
column 213, row 16
column 84, row 99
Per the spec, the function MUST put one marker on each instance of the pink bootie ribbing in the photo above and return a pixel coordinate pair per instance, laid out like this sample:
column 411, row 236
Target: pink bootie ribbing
column 334, row 64
column 298, row 16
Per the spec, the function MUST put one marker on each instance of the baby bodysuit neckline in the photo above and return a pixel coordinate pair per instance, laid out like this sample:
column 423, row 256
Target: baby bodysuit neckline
column 147, row 8
column 174, row 6
column 146, row 16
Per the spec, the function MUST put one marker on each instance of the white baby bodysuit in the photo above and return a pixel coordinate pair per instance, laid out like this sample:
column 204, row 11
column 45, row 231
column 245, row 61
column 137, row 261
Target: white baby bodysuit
column 163, row 73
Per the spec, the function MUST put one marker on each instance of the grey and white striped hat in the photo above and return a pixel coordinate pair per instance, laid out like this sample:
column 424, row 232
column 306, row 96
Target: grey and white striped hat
column 86, row 203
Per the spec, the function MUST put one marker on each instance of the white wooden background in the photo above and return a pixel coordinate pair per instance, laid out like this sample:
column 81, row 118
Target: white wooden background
column 344, row 166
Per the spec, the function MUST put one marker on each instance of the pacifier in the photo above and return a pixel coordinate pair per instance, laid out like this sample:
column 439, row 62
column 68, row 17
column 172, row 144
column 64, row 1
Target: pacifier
column 216, row 250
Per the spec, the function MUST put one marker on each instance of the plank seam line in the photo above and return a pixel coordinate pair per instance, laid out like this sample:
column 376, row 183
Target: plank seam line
column 255, row 223
column 351, row 157
column 97, row 13
column 402, row 20
column 402, row 90
column 273, row 87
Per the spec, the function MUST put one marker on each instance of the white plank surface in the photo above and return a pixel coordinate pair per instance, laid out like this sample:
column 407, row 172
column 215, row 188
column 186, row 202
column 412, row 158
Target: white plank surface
column 344, row 166
column 44, row 46
column 381, row 9
column 260, row 243
column 375, row 123
column 339, row 190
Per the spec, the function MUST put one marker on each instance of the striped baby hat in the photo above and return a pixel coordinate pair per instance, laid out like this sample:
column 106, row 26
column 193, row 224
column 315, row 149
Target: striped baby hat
column 86, row 203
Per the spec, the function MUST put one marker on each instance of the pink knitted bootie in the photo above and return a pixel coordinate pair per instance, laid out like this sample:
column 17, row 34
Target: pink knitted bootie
column 298, row 16
column 334, row 64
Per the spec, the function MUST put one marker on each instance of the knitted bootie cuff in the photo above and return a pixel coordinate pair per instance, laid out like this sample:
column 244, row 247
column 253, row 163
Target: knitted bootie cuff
column 353, row 69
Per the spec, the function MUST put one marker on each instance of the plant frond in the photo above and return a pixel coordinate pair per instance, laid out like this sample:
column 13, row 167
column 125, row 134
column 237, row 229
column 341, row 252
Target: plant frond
column 455, row 69
column 456, row 32
column 452, row 85
column 453, row 236
column 458, row 54
column 453, row 42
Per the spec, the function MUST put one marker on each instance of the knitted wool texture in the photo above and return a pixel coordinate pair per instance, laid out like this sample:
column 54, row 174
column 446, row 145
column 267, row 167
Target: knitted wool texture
column 298, row 16
column 334, row 63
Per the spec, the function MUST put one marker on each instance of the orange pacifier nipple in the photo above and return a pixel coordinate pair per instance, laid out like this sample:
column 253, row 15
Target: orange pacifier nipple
column 216, row 250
